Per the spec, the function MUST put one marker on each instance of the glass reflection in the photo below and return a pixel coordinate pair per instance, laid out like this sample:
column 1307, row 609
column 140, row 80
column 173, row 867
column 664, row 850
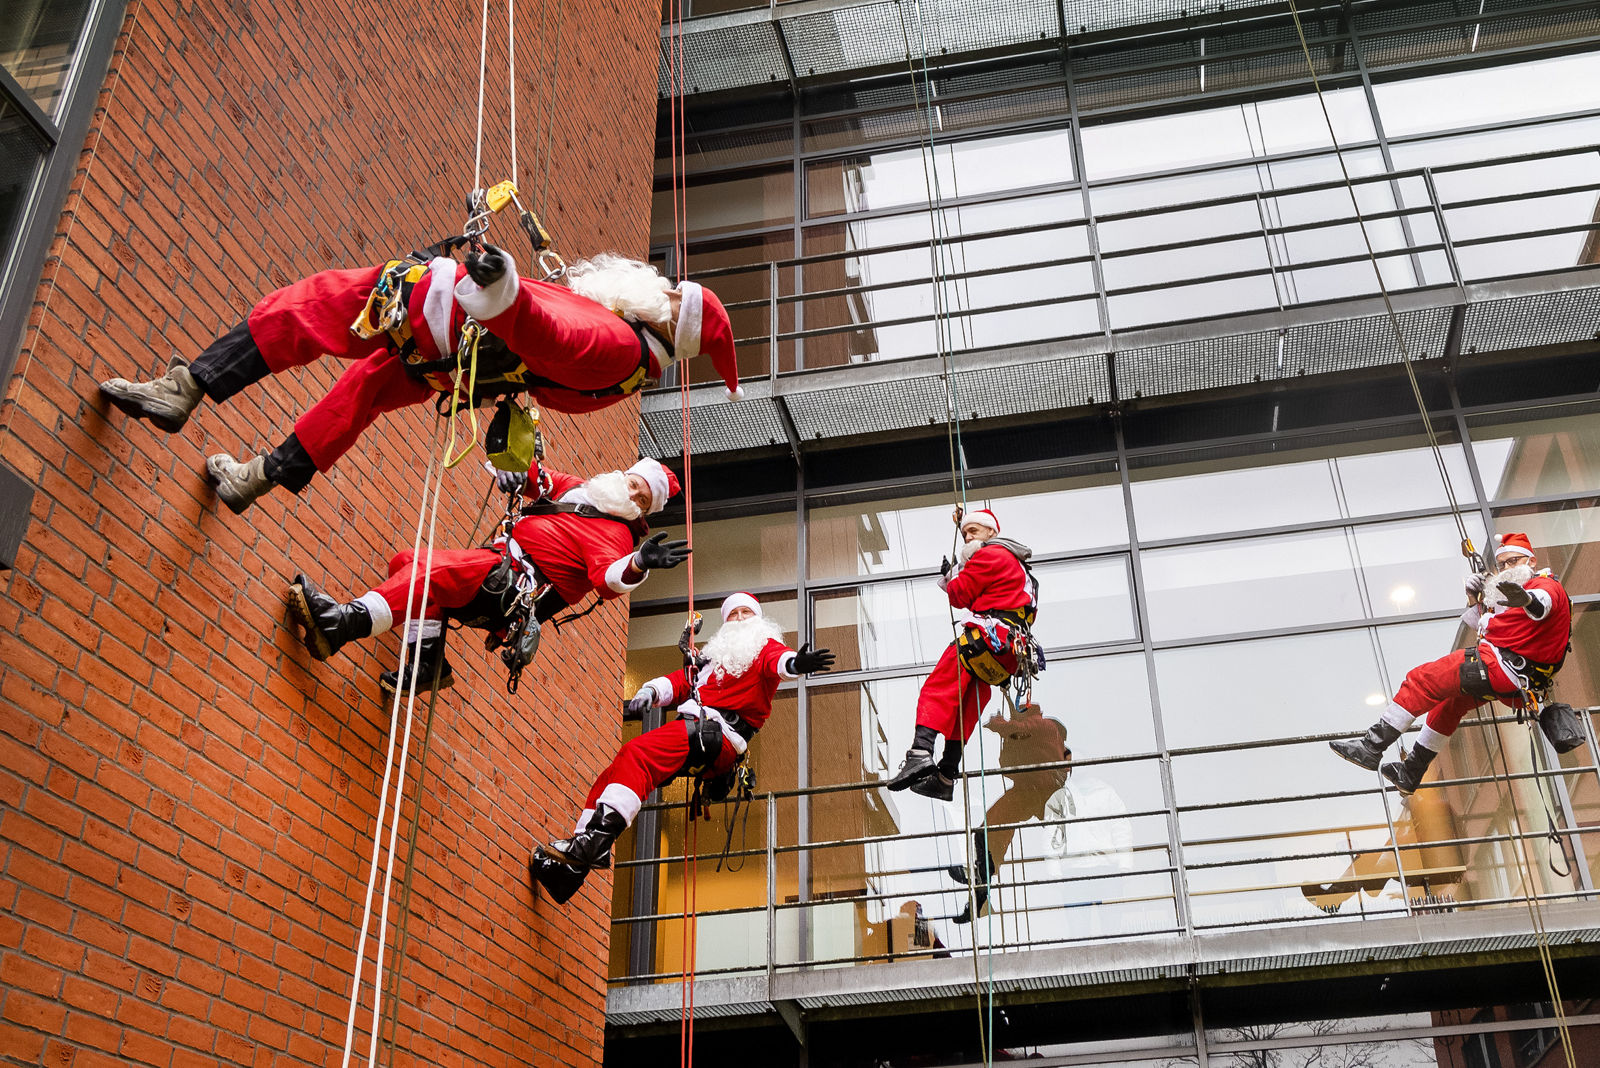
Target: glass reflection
column 1292, row 486
column 719, row 206
column 890, row 534
column 1567, row 538
column 38, row 41
column 731, row 554
column 1489, row 95
column 1535, row 455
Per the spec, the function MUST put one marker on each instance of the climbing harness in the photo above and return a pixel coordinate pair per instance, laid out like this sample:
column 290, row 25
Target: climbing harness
column 1535, row 911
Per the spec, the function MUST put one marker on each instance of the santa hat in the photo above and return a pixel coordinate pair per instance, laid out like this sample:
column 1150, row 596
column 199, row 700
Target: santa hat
column 703, row 326
column 663, row 483
column 739, row 600
column 1513, row 545
column 984, row 516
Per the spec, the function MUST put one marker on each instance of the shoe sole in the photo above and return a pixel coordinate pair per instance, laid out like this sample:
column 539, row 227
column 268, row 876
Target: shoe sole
column 131, row 406
column 1355, row 763
column 444, row 684
column 315, row 641
column 905, row 782
column 1390, row 779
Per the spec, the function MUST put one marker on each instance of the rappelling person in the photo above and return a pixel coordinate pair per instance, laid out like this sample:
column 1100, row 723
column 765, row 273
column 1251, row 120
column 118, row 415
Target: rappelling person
column 582, row 536
column 1524, row 621
column 1028, row 737
column 579, row 347
column 990, row 581
column 721, row 704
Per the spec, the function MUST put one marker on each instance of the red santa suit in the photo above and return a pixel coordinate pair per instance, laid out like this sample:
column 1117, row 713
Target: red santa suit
column 1510, row 638
column 740, row 704
column 576, row 553
column 992, row 580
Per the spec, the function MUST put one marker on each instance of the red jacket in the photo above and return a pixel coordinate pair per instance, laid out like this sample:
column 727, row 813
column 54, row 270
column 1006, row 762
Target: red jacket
column 993, row 578
column 1543, row 640
column 579, row 553
column 749, row 694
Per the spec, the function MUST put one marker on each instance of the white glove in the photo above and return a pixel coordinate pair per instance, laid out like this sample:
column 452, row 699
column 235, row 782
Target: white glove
column 1474, row 585
column 645, row 698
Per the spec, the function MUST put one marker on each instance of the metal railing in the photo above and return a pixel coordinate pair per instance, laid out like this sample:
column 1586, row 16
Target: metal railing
column 1409, row 224
column 798, row 931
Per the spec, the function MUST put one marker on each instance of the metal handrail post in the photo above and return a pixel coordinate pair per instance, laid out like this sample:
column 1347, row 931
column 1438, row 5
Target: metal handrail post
column 1444, row 232
column 772, row 885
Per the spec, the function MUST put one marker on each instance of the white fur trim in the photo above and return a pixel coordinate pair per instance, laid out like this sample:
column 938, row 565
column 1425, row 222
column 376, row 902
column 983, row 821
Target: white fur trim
column 438, row 304
column 1431, row 739
column 984, row 516
column 481, row 303
column 691, row 310
column 661, row 687
column 378, row 609
column 786, row 666
column 733, row 394
column 1397, row 717
column 618, row 568
column 423, row 628
column 625, row 801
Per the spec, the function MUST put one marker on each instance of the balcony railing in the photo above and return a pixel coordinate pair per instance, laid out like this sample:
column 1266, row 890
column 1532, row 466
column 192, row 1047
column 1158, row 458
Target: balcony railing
column 1161, row 880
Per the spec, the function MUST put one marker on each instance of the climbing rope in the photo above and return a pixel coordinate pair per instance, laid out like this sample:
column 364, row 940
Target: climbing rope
column 1535, row 910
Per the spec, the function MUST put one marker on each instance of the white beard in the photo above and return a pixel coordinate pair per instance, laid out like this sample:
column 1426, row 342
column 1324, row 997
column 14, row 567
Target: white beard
column 964, row 553
column 609, row 493
column 736, row 645
column 626, row 286
column 1492, row 597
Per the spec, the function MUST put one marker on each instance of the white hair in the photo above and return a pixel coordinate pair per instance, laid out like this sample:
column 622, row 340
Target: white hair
column 626, row 286
column 609, row 493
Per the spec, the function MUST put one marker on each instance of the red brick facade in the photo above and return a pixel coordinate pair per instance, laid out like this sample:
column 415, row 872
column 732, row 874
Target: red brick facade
column 187, row 800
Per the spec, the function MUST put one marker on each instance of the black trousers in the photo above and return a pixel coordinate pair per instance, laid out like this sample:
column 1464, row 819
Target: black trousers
column 230, row 364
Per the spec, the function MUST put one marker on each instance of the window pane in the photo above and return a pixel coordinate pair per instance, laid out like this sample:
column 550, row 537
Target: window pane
column 1321, row 576
column 962, row 169
column 730, row 554
column 888, row 624
column 38, row 39
column 752, row 326
column 653, row 637
column 885, row 536
column 1293, row 486
column 1241, row 131
column 21, row 149
column 1566, row 536
column 1498, row 94
column 719, row 207
column 1526, row 455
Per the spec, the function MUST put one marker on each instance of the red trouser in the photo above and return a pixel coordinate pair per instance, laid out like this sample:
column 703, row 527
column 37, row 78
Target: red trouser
column 1434, row 690
column 310, row 319
column 654, row 759
column 950, row 683
column 453, row 580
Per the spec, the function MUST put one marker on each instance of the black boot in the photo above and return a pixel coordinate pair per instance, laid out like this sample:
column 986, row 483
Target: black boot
column 1407, row 774
column 591, row 847
column 941, row 785
column 428, row 656
column 559, row 879
column 980, row 881
column 1367, row 751
column 328, row 624
column 918, row 763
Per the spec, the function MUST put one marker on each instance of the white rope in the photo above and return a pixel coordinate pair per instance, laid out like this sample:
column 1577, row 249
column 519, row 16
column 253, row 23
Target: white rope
column 483, row 67
column 405, row 752
column 511, row 79
column 428, row 484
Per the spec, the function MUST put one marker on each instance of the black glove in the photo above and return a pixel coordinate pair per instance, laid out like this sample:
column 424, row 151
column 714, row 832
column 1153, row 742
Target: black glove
column 944, row 565
column 656, row 552
column 487, row 267
column 809, row 661
column 640, row 702
column 1515, row 595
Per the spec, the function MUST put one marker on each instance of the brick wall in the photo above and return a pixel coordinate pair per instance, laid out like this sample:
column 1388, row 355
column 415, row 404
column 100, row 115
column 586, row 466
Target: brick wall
column 187, row 800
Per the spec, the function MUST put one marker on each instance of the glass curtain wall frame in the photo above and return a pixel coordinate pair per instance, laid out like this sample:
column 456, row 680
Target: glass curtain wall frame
column 1295, row 863
column 1409, row 238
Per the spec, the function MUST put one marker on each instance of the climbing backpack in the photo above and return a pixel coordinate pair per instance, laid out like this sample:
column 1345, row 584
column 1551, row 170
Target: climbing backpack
column 1562, row 726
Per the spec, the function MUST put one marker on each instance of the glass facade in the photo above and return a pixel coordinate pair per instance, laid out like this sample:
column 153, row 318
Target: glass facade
column 1095, row 196
column 1210, row 622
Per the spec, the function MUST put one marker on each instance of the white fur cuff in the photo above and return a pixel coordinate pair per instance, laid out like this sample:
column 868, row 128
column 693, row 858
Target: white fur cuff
column 481, row 303
column 438, row 304
column 1432, row 740
column 661, row 688
column 378, row 610
column 691, row 309
column 616, row 572
column 733, row 394
column 625, row 801
column 786, row 666
column 1397, row 717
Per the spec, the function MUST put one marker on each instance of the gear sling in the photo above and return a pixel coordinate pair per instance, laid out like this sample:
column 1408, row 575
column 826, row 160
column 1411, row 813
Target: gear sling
column 977, row 646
